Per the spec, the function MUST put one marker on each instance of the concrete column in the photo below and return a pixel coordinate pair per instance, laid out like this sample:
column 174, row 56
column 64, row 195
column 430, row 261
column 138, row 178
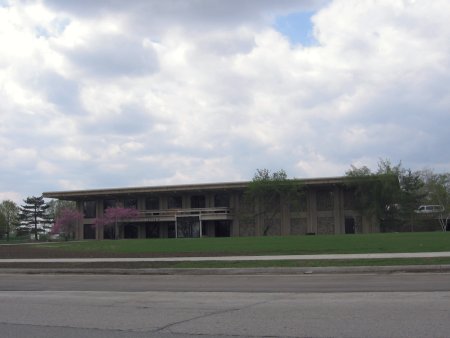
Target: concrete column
column 285, row 217
column 311, row 211
column 235, row 204
column 338, row 211
column 186, row 202
column 163, row 230
column 163, row 202
column 80, row 225
column 209, row 200
column 210, row 229
column 141, row 231
column 259, row 219
column 141, row 203
column 99, row 212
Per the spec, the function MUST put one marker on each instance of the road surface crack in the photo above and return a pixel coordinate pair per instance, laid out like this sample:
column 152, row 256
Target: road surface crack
column 210, row 314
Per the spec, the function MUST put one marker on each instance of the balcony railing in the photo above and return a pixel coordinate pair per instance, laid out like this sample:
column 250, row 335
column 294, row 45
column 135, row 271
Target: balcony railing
column 168, row 214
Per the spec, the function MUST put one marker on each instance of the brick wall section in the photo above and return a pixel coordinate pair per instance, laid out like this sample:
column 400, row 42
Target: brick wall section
column 298, row 226
column 325, row 225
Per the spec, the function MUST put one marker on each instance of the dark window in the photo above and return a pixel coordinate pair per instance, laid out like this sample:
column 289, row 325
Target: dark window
column 152, row 230
column 188, row 227
column 222, row 228
column 174, row 202
column 198, row 201
column 130, row 231
column 298, row 203
column 152, row 203
column 109, row 204
column 88, row 231
column 325, row 200
column 222, row 200
column 349, row 199
column 108, row 232
column 350, row 225
column 90, row 209
column 130, row 203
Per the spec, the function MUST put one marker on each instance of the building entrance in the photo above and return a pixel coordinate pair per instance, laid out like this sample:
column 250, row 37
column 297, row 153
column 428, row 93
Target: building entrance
column 188, row 227
column 349, row 225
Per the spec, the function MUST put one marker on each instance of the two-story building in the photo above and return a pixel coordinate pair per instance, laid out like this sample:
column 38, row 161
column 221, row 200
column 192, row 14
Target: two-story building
column 325, row 206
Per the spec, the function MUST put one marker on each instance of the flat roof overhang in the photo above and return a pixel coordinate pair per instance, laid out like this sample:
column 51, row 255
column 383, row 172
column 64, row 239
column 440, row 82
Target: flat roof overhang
column 173, row 189
column 81, row 194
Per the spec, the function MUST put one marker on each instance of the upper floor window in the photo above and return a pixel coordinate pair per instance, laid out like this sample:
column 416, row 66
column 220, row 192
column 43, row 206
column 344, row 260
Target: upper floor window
column 222, row 200
column 198, row 201
column 325, row 200
column 130, row 203
column 111, row 203
column 349, row 199
column 174, row 202
column 90, row 209
column 298, row 203
column 152, row 203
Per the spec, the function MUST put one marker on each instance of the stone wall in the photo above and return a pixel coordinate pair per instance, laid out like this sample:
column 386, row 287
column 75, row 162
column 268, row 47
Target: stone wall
column 298, row 226
column 273, row 227
column 325, row 225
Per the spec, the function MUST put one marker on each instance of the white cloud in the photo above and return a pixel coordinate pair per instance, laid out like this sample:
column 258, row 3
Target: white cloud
column 106, row 93
column 11, row 195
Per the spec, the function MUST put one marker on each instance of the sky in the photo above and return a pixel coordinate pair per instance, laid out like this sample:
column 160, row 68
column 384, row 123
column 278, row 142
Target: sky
column 112, row 93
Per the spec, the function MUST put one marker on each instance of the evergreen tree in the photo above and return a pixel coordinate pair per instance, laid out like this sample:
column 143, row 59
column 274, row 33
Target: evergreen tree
column 33, row 215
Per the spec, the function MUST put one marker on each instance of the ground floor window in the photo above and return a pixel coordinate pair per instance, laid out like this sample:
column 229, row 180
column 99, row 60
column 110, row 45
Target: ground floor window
column 130, row 231
column 222, row 228
column 88, row 231
column 108, row 232
column 216, row 228
column 349, row 225
column 188, row 227
column 152, row 230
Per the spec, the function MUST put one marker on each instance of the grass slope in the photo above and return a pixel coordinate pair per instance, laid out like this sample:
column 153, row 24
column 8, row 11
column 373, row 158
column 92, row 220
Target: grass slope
column 289, row 245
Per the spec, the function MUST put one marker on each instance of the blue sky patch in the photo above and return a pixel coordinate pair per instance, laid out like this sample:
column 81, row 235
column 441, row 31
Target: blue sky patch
column 297, row 27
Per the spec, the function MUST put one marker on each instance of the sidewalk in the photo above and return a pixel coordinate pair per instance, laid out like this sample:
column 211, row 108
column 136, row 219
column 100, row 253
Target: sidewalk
column 234, row 258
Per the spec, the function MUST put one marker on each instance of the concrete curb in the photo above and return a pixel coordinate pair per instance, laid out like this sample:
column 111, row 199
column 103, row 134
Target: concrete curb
column 231, row 258
column 239, row 271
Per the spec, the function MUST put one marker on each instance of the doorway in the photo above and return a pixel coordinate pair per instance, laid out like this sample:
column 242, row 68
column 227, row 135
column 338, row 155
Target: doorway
column 349, row 225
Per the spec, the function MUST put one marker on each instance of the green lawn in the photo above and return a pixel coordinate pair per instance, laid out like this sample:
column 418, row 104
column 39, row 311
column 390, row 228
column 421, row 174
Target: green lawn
column 231, row 264
column 289, row 245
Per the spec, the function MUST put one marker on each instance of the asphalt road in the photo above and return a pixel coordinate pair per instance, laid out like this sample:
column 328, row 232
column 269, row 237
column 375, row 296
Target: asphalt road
column 397, row 305
column 230, row 283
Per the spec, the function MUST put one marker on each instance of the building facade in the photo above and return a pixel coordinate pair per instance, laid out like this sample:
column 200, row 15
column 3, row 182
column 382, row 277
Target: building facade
column 325, row 206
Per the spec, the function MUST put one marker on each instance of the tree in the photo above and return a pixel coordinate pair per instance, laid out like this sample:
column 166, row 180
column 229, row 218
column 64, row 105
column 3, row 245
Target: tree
column 266, row 192
column 376, row 193
column 393, row 194
column 33, row 213
column 66, row 222
column 55, row 207
column 437, row 187
column 10, row 214
column 412, row 195
column 3, row 226
column 112, row 217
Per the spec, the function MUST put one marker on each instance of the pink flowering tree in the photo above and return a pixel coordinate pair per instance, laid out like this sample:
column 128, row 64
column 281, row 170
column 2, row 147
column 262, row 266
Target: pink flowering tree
column 114, row 216
column 66, row 223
